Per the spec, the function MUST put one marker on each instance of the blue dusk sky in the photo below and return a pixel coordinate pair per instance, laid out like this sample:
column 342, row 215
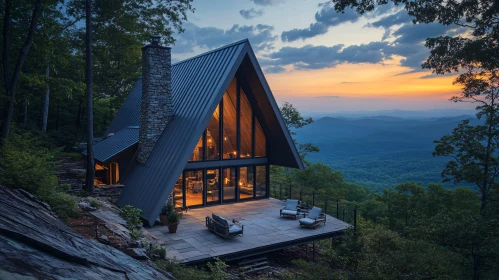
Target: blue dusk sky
column 323, row 61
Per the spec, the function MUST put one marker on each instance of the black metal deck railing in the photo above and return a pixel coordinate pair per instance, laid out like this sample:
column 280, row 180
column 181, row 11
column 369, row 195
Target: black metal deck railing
column 338, row 208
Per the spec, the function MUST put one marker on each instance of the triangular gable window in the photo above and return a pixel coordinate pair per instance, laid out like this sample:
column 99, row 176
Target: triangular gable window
column 241, row 134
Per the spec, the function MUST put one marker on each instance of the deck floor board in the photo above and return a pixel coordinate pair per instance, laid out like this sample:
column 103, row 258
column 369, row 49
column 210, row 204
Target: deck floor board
column 262, row 228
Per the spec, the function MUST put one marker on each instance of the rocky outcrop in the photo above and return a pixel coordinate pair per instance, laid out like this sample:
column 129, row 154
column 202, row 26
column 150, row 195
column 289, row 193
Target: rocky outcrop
column 35, row 244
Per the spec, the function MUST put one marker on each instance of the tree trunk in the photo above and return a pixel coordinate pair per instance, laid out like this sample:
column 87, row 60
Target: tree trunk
column 476, row 267
column 11, row 89
column 46, row 103
column 57, row 117
column 88, row 80
column 26, row 103
column 78, row 119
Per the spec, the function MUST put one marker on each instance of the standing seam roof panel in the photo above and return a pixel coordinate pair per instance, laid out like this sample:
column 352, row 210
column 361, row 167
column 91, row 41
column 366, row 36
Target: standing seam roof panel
column 175, row 154
column 202, row 78
column 191, row 109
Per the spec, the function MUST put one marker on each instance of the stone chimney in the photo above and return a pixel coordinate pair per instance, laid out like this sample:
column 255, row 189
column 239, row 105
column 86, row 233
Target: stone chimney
column 156, row 109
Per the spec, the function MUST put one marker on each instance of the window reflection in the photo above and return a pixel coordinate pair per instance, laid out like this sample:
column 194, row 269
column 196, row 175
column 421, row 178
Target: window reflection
column 261, row 181
column 246, row 127
column 229, row 183
column 213, row 185
column 230, row 122
column 245, row 182
column 197, row 154
column 213, row 136
column 260, row 141
column 194, row 187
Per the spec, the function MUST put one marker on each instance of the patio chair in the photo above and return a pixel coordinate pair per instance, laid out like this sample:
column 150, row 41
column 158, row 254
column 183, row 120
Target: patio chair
column 221, row 226
column 314, row 218
column 291, row 208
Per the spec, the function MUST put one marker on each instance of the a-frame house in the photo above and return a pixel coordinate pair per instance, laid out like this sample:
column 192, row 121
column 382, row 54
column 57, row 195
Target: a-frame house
column 202, row 131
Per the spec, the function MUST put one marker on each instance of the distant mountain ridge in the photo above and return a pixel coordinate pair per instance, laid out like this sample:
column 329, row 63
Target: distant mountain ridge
column 406, row 114
column 381, row 151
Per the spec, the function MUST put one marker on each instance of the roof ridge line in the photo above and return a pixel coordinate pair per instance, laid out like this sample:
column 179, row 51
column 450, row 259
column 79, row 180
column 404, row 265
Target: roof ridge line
column 212, row 51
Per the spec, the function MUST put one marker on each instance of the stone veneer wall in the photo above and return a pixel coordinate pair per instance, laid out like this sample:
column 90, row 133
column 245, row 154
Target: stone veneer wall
column 156, row 109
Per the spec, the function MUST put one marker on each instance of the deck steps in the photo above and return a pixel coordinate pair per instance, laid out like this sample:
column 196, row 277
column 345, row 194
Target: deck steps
column 250, row 266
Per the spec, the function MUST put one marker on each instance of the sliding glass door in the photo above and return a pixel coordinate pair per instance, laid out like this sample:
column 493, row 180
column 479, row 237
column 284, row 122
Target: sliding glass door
column 212, row 186
column 229, row 184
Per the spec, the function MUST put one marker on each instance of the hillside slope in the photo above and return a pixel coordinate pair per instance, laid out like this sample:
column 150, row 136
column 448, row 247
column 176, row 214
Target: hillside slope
column 35, row 244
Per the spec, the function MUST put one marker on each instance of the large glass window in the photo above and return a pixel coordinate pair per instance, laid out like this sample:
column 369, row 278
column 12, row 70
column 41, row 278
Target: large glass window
column 230, row 121
column 245, row 182
column 194, row 187
column 197, row 154
column 213, row 185
column 261, row 181
column 229, row 183
column 226, row 123
column 213, row 136
column 178, row 198
column 260, row 141
column 246, row 127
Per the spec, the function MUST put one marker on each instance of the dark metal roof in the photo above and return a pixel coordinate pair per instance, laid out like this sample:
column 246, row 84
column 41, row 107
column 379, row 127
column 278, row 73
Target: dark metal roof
column 198, row 85
column 115, row 144
column 129, row 113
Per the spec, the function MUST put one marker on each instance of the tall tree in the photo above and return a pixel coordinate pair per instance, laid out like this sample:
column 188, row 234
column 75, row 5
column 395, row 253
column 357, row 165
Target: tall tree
column 89, row 81
column 11, row 83
column 475, row 55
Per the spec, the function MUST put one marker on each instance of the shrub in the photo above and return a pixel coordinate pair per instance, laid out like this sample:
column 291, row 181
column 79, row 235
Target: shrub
column 158, row 250
column 173, row 217
column 27, row 164
column 132, row 216
column 136, row 233
column 182, row 272
column 63, row 204
column 94, row 202
column 219, row 270
column 167, row 208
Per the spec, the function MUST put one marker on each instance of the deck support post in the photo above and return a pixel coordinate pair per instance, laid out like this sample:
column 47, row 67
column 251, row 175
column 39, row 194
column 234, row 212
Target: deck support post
column 313, row 251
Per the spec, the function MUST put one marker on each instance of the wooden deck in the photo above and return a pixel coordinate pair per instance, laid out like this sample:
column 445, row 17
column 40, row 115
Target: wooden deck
column 264, row 231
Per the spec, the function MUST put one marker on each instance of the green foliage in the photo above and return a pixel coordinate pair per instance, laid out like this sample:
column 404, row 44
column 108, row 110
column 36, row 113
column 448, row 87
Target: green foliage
column 63, row 204
column 218, row 270
column 27, row 165
column 474, row 151
column 374, row 252
column 132, row 216
column 182, row 272
column 167, row 208
column 173, row 217
column 158, row 250
column 94, row 202
column 136, row 233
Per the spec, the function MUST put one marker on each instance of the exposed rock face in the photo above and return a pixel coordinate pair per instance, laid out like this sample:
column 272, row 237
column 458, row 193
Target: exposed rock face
column 35, row 244
column 157, row 104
